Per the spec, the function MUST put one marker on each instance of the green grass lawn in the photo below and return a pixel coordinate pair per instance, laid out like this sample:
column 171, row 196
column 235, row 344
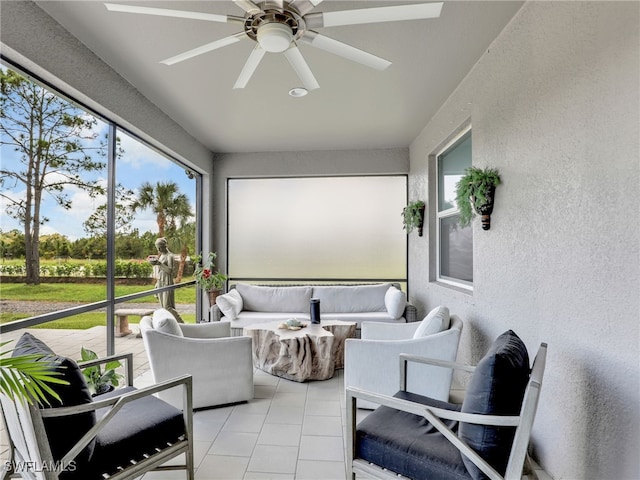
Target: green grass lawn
column 81, row 294
column 78, row 322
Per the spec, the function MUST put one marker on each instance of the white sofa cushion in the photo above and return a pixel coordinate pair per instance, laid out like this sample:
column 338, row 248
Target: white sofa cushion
column 163, row 321
column 274, row 299
column 436, row 321
column 230, row 304
column 351, row 299
column 395, row 301
column 246, row 318
column 360, row 317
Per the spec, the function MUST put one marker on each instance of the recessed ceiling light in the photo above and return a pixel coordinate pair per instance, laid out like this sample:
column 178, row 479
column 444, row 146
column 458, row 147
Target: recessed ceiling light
column 298, row 92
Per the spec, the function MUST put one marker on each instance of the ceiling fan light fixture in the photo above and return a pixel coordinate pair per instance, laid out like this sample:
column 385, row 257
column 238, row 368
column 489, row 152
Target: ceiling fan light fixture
column 275, row 37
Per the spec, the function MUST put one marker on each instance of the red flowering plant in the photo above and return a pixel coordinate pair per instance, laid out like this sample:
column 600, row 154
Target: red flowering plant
column 204, row 273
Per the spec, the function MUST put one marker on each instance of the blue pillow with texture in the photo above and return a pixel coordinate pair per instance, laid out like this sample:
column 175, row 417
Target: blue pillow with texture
column 496, row 388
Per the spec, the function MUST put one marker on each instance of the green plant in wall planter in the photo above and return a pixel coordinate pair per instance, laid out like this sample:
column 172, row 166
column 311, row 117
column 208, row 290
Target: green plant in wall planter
column 476, row 191
column 413, row 216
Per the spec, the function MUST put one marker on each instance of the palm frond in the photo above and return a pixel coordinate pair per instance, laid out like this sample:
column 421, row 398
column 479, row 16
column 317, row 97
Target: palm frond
column 27, row 377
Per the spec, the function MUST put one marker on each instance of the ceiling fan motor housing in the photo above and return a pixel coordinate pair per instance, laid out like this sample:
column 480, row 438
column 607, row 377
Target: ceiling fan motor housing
column 274, row 30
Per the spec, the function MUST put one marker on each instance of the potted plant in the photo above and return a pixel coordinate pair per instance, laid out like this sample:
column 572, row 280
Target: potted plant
column 99, row 381
column 413, row 216
column 476, row 191
column 210, row 280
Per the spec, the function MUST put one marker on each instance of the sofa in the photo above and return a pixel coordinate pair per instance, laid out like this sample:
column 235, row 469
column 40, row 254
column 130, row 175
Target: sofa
column 247, row 304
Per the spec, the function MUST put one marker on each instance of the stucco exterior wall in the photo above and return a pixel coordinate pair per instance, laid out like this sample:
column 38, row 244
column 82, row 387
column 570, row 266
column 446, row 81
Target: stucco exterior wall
column 554, row 105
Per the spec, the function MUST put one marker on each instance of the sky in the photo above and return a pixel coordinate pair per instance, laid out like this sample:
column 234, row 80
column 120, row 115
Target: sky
column 139, row 164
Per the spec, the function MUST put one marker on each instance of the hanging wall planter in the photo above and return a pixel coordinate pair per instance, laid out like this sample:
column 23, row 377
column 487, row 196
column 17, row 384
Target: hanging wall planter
column 413, row 216
column 475, row 193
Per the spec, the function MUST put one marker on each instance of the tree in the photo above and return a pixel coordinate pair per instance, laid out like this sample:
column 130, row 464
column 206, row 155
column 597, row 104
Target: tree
column 165, row 200
column 13, row 243
column 96, row 224
column 49, row 137
column 172, row 211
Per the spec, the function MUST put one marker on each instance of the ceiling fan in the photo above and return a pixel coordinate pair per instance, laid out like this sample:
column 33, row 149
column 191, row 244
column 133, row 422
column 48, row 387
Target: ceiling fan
column 277, row 26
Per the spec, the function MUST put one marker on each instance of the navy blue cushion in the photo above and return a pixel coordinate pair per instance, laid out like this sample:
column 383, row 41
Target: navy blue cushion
column 496, row 388
column 137, row 429
column 409, row 445
column 63, row 432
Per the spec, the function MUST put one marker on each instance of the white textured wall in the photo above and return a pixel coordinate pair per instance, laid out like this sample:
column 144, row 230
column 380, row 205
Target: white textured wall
column 554, row 105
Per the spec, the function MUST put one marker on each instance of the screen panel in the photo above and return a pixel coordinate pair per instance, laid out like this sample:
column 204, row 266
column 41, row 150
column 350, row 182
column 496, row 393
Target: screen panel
column 315, row 228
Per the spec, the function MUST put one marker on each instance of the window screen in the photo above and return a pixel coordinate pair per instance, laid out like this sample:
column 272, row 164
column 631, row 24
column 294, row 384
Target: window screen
column 317, row 228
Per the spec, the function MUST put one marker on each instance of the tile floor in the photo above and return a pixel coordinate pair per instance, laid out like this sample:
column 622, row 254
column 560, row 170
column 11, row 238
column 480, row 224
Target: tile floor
column 288, row 431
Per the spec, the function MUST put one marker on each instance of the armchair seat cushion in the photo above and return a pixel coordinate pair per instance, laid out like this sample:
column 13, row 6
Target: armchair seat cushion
column 408, row 444
column 136, row 430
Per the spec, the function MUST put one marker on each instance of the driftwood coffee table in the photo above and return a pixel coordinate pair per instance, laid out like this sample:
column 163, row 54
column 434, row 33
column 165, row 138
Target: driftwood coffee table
column 311, row 353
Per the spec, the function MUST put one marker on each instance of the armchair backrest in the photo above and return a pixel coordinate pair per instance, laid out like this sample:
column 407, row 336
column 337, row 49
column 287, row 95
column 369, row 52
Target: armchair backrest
column 527, row 414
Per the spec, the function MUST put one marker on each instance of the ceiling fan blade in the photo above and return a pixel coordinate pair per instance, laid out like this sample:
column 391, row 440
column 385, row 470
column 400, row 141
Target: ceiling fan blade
column 205, row 48
column 343, row 50
column 304, row 6
column 301, row 68
column 248, row 6
column 393, row 13
column 250, row 67
column 165, row 12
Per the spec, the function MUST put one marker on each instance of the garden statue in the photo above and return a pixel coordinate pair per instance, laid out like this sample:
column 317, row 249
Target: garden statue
column 165, row 262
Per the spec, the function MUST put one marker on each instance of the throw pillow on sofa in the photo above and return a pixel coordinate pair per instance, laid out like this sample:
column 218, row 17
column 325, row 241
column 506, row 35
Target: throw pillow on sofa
column 436, row 321
column 395, row 301
column 230, row 304
column 164, row 322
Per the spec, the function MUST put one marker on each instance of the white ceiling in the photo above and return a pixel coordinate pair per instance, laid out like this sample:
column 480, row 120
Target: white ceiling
column 354, row 108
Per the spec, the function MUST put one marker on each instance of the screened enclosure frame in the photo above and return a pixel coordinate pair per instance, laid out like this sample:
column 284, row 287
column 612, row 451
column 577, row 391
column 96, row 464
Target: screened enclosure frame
column 111, row 299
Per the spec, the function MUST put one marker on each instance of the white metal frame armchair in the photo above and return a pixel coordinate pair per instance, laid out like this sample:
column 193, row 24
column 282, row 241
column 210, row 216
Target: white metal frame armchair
column 451, row 454
column 169, row 430
column 371, row 361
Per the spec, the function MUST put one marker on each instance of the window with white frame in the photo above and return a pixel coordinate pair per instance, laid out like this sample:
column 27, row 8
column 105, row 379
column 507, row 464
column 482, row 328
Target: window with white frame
column 454, row 243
